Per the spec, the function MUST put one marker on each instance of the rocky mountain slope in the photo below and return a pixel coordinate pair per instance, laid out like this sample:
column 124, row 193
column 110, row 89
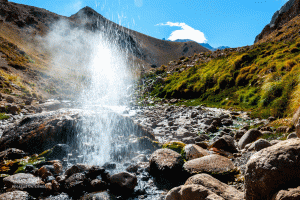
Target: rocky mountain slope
column 288, row 11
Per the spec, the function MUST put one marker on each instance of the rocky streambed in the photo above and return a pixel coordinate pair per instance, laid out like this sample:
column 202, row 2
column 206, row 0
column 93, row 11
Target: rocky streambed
column 158, row 152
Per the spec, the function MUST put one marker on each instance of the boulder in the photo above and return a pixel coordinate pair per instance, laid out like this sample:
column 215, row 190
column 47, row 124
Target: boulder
column 78, row 168
column 24, row 181
column 225, row 143
column 248, row 137
column 193, row 151
column 44, row 172
column 238, row 134
column 19, row 195
column 192, row 192
column 12, row 154
column 292, row 135
column 76, row 183
column 59, row 151
column 123, row 183
column 259, row 145
column 62, row 196
column 289, row 194
column 212, row 164
column 165, row 162
column 273, row 169
column 216, row 186
column 201, row 138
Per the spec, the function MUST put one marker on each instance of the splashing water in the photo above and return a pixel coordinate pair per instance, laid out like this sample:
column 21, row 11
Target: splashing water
column 109, row 84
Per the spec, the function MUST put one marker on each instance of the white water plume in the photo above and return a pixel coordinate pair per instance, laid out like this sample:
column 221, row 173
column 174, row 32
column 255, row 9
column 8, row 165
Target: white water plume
column 99, row 66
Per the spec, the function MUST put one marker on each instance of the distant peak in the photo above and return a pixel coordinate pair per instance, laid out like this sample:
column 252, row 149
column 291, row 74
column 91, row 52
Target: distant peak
column 87, row 11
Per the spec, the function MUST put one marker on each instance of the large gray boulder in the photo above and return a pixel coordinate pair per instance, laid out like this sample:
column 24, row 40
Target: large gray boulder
column 250, row 136
column 273, row 169
column 165, row 162
column 216, row 186
column 259, row 145
column 23, row 181
column 212, row 164
column 192, row 192
column 15, row 195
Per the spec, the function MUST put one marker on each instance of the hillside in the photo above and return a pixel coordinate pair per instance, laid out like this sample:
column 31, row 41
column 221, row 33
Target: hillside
column 262, row 78
column 30, row 68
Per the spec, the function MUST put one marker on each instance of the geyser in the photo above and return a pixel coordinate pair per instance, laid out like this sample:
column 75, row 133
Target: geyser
column 98, row 70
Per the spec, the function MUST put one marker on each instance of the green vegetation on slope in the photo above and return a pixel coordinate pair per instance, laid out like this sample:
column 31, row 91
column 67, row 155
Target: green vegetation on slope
column 264, row 79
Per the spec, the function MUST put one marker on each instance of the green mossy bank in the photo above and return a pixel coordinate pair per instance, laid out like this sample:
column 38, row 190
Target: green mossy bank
column 263, row 78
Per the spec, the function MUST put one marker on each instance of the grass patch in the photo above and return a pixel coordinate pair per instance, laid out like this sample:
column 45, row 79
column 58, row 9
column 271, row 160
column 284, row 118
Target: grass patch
column 263, row 80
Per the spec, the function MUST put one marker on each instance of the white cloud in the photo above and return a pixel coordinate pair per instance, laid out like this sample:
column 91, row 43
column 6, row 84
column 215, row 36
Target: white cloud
column 186, row 32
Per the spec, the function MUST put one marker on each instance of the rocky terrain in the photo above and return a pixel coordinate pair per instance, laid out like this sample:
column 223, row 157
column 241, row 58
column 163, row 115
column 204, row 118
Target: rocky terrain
column 169, row 144
column 174, row 151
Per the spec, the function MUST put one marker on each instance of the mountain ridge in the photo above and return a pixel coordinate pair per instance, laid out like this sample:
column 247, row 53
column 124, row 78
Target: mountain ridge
column 206, row 45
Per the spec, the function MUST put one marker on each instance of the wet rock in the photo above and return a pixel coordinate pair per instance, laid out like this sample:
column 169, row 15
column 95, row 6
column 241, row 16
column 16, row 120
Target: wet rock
column 289, row 194
column 272, row 169
column 216, row 186
column 211, row 129
column 95, row 171
column 78, row 168
column 24, row 181
column 195, row 192
column 188, row 140
column 193, row 151
column 15, row 195
column 98, row 185
column 59, row 151
column 76, row 184
column 123, row 183
column 201, row 138
column 248, row 137
column 203, row 145
column 132, row 168
column 97, row 196
column 165, row 162
column 225, row 143
column 37, row 133
column 238, row 134
column 62, row 196
column 259, row 145
column 55, row 185
column 12, row 109
column 226, row 122
column 211, row 164
column 12, row 154
column 109, row 166
column 292, row 135
column 44, row 172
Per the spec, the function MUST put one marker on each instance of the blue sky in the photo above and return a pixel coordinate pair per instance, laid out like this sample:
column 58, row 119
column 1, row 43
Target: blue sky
column 231, row 23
